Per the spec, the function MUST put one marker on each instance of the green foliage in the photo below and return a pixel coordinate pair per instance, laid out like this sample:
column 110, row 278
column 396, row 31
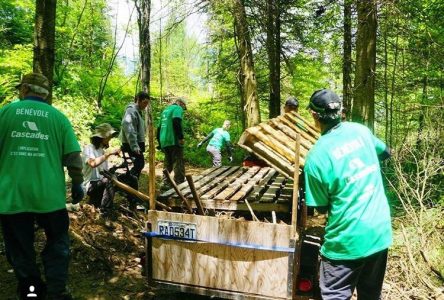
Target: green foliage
column 79, row 111
column 16, row 22
column 14, row 62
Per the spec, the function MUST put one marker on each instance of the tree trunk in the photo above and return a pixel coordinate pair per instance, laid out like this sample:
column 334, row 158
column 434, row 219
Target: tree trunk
column 363, row 110
column 249, row 84
column 143, row 21
column 274, row 63
column 347, row 62
column 44, row 40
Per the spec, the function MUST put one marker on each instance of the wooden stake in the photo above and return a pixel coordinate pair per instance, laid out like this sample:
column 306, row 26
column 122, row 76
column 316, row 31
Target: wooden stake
column 251, row 211
column 151, row 158
column 171, row 181
column 196, row 197
column 294, row 210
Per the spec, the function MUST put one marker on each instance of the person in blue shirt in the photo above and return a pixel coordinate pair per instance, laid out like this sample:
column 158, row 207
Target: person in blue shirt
column 219, row 138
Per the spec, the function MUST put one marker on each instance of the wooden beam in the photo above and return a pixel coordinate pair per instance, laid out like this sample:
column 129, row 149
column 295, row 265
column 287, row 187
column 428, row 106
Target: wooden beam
column 200, row 209
column 171, row 180
column 135, row 192
column 294, row 209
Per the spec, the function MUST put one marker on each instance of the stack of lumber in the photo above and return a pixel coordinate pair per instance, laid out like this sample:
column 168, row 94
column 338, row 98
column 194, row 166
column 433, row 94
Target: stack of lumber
column 274, row 141
column 227, row 188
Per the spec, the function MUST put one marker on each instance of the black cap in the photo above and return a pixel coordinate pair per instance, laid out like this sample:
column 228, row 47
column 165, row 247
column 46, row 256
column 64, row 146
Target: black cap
column 324, row 101
column 292, row 101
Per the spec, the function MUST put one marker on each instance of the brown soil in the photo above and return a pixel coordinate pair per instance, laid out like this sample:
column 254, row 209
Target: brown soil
column 105, row 255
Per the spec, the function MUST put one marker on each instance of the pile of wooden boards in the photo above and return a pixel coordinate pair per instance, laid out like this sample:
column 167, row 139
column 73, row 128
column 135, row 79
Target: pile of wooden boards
column 226, row 188
column 274, row 141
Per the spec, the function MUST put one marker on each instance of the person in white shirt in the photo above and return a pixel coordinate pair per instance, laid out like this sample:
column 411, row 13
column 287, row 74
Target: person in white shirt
column 95, row 159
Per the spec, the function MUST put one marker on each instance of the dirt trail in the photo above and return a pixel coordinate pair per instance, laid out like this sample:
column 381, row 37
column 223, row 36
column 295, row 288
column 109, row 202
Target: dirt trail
column 105, row 254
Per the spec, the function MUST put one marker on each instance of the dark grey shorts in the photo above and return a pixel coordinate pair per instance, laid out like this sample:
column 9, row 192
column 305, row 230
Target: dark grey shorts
column 339, row 278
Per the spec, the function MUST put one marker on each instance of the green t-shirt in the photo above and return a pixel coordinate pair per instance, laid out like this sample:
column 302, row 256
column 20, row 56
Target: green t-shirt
column 34, row 136
column 167, row 135
column 220, row 138
column 342, row 172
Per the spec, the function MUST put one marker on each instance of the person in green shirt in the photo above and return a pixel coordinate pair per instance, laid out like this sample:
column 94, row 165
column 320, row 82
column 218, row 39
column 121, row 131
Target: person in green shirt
column 36, row 142
column 343, row 177
column 171, row 139
column 219, row 138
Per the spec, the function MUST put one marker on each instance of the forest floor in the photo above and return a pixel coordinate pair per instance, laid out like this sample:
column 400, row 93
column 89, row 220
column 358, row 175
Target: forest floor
column 106, row 258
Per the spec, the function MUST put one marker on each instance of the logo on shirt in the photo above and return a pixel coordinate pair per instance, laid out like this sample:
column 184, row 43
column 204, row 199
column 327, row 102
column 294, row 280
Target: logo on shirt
column 30, row 125
column 31, row 132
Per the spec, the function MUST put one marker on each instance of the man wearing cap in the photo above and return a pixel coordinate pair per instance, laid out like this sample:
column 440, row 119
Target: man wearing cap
column 36, row 142
column 219, row 138
column 171, row 139
column 292, row 104
column 95, row 160
column 132, row 134
column 343, row 178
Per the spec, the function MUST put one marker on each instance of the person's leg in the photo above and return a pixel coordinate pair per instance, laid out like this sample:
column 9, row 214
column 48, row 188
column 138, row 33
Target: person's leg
column 179, row 165
column 18, row 235
column 107, row 195
column 139, row 161
column 168, row 162
column 95, row 193
column 338, row 279
column 372, row 276
column 217, row 157
column 55, row 255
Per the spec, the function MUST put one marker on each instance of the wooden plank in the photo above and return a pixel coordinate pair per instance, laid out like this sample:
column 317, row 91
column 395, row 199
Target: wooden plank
column 196, row 197
column 286, row 192
column 248, row 187
column 272, row 143
column 298, row 129
column 291, row 133
column 184, row 184
column 262, row 186
column 171, row 181
column 274, row 159
column 294, row 207
column 220, row 266
column 281, row 138
column 237, row 184
column 227, row 205
column 271, row 193
column 217, row 186
column 311, row 127
column 220, row 178
column 222, row 171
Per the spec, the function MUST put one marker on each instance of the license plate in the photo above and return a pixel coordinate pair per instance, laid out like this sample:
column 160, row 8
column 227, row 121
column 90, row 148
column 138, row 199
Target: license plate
column 177, row 229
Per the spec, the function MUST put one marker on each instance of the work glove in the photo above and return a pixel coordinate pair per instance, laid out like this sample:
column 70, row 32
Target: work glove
column 199, row 145
column 77, row 193
column 230, row 159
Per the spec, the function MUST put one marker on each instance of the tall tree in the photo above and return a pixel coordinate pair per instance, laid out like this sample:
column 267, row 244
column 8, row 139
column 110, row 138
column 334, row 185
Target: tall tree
column 347, row 59
column 274, row 50
column 363, row 110
column 44, row 40
column 248, row 82
column 143, row 21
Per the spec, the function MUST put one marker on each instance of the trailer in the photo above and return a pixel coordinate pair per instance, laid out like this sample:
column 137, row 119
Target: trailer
column 225, row 251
